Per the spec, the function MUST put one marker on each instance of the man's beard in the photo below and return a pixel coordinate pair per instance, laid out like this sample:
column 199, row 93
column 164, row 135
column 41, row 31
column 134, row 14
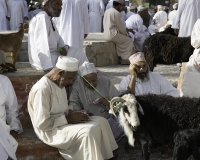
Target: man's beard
column 60, row 83
column 53, row 12
column 144, row 79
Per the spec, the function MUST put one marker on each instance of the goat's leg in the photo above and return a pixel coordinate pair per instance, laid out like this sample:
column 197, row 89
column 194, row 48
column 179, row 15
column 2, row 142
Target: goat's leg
column 195, row 153
column 15, row 53
column 145, row 144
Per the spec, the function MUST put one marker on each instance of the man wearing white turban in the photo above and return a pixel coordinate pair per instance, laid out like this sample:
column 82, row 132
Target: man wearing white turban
column 187, row 14
column 142, row 81
column 84, row 96
column 76, row 135
column 159, row 20
column 44, row 42
column 9, row 122
column 115, row 31
column 172, row 14
column 131, row 12
column 135, row 22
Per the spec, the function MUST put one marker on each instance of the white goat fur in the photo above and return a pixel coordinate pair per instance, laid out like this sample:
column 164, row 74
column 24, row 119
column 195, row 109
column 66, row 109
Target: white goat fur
column 132, row 119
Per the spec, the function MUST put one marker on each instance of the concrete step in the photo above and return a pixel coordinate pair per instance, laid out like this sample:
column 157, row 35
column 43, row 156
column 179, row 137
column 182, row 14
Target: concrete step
column 98, row 51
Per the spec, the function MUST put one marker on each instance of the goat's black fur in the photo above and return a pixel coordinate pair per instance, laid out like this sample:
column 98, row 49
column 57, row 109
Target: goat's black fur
column 167, row 49
column 186, row 144
column 163, row 116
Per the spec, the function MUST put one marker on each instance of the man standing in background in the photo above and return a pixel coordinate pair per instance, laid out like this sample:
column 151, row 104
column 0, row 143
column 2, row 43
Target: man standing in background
column 96, row 11
column 3, row 15
column 73, row 23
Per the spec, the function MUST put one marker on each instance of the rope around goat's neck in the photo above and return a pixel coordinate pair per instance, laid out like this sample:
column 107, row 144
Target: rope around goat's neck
column 94, row 88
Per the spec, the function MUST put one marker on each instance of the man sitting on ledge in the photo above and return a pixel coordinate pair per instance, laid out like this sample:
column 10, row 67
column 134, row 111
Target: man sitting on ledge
column 115, row 31
column 9, row 123
column 142, row 81
column 74, row 133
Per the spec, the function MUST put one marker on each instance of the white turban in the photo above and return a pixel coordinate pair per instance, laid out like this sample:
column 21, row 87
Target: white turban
column 160, row 7
column 175, row 6
column 120, row 1
column 67, row 63
column 132, row 7
column 87, row 68
column 44, row 2
column 2, row 57
column 141, row 8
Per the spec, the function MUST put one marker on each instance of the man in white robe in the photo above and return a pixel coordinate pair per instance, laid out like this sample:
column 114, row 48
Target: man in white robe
column 191, row 76
column 44, row 42
column 26, row 10
column 96, row 11
column 115, row 31
column 16, row 13
column 159, row 20
column 187, row 14
column 172, row 14
column 83, row 96
column 142, row 81
column 76, row 135
column 9, row 122
column 73, row 22
column 135, row 22
column 131, row 12
column 3, row 15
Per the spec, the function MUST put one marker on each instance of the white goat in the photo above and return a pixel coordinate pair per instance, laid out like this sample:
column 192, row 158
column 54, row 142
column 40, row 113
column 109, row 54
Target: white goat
column 128, row 108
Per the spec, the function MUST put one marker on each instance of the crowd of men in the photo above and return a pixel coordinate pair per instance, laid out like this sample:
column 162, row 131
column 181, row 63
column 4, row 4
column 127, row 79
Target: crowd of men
column 69, row 105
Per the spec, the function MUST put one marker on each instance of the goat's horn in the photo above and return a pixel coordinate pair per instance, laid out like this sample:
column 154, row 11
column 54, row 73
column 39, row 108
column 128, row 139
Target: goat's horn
column 112, row 102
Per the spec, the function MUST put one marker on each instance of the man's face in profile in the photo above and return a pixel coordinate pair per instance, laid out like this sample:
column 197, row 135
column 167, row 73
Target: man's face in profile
column 55, row 7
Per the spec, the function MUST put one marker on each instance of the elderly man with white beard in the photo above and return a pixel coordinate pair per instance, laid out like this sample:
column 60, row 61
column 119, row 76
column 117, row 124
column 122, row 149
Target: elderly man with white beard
column 76, row 135
column 142, row 81
column 45, row 44
column 9, row 122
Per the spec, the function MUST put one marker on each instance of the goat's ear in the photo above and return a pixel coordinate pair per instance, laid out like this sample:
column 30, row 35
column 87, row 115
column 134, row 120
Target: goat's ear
column 140, row 109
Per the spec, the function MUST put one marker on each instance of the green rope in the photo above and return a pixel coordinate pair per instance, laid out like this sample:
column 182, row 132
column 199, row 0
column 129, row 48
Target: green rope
column 94, row 88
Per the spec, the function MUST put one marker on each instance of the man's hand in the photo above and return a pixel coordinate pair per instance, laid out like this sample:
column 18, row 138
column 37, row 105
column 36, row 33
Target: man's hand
column 26, row 18
column 75, row 117
column 85, row 35
column 176, row 31
column 104, row 101
column 63, row 51
column 130, row 30
column 14, row 134
column 132, row 70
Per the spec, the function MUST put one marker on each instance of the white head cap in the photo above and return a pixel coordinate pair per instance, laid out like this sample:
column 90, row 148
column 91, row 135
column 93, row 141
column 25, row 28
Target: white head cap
column 160, row 7
column 2, row 57
column 87, row 68
column 120, row 1
column 175, row 6
column 67, row 63
column 44, row 2
column 141, row 8
column 132, row 7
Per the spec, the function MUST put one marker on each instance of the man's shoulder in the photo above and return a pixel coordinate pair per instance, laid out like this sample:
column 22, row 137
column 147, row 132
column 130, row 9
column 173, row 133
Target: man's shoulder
column 156, row 75
column 43, row 84
column 3, row 78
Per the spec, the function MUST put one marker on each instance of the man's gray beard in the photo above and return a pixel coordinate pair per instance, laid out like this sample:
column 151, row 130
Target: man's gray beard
column 53, row 13
column 145, row 79
column 60, row 83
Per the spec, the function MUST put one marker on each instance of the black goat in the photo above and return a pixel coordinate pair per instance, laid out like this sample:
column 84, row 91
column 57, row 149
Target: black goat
column 163, row 116
column 186, row 144
column 166, row 49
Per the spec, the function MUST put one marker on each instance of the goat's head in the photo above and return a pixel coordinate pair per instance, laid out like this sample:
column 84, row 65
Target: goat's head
column 128, row 108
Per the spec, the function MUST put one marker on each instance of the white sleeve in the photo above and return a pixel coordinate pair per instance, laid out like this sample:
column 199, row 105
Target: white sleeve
column 123, row 86
column 9, row 9
column 195, row 39
column 85, row 17
column 5, row 6
column 42, row 28
column 12, row 108
column 42, row 118
column 102, row 8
